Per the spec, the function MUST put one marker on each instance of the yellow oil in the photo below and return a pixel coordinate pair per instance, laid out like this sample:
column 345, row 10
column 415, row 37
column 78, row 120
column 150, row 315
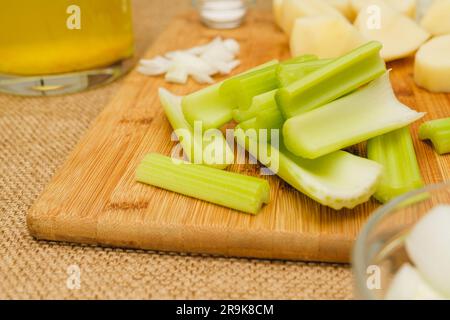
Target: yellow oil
column 39, row 37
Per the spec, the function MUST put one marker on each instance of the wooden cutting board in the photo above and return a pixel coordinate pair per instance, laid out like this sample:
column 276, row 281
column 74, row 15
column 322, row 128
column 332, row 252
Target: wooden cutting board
column 94, row 198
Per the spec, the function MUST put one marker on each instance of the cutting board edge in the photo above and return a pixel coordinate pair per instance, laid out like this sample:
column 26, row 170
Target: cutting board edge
column 232, row 242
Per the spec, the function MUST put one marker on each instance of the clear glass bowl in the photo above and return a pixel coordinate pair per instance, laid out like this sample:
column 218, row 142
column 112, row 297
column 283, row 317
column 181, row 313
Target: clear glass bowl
column 379, row 251
column 222, row 14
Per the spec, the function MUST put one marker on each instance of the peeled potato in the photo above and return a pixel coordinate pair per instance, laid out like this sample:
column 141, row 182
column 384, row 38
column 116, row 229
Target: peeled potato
column 437, row 19
column 324, row 36
column 406, row 7
column 408, row 284
column 428, row 246
column 344, row 7
column 291, row 10
column 432, row 66
column 277, row 6
column 400, row 35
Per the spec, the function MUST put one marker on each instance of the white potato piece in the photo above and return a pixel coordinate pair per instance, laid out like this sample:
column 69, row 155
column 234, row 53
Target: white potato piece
column 437, row 19
column 324, row 36
column 400, row 35
column 406, row 7
column 276, row 8
column 408, row 284
column 344, row 7
column 432, row 65
column 291, row 10
column 428, row 246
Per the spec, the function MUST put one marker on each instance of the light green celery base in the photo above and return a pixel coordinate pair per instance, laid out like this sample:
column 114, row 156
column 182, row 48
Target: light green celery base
column 200, row 146
column 232, row 190
column 401, row 172
column 438, row 131
column 209, row 107
column 336, row 79
column 357, row 117
column 339, row 180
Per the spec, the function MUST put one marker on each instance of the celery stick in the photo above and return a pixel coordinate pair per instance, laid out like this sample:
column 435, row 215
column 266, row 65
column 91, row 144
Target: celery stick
column 270, row 119
column 338, row 180
column 438, row 131
column 300, row 59
column 196, row 148
column 259, row 103
column 401, row 172
column 336, row 79
column 228, row 189
column 290, row 73
column 210, row 107
column 244, row 87
column 357, row 117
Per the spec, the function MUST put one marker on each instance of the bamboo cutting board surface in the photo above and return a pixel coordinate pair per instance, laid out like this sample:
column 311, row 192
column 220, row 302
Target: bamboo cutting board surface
column 94, row 198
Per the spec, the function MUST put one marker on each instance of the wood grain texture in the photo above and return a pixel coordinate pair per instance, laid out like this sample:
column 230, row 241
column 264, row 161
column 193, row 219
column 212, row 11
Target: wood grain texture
column 94, row 198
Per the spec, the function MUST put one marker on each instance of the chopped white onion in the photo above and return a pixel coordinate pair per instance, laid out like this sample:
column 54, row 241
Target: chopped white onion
column 428, row 246
column 200, row 62
column 232, row 46
column 408, row 284
column 177, row 74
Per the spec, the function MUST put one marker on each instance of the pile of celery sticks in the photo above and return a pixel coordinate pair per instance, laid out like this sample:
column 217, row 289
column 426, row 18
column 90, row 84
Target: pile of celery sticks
column 320, row 107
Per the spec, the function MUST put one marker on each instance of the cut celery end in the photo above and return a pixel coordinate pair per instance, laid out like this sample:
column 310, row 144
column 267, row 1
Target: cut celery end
column 259, row 103
column 369, row 112
column 401, row 172
column 228, row 189
column 338, row 180
column 336, row 79
column 438, row 131
column 290, row 73
column 244, row 87
column 208, row 106
column 208, row 149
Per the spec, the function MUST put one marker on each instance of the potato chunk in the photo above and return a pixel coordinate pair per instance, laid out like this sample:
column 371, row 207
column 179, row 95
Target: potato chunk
column 406, row 7
column 437, row 19
column 400, row 35
column 324, row 36
column 291, row 10
column 432, row 66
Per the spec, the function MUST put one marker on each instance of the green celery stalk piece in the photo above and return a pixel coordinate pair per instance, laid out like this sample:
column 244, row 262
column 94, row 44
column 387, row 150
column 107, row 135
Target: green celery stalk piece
column 259, row 103
column 270, row 119
column 244, row 87
column 401, row 172
column 338, row 180
column 300, row 59
column 369, row 112
column 290, row 73
column 334, row 80
column 438, row 131
column 195, row 147
column 210, row 107
column 228, row 189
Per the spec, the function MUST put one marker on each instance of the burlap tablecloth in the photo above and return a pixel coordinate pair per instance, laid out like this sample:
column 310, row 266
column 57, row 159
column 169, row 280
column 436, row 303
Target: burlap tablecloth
column 36, row 134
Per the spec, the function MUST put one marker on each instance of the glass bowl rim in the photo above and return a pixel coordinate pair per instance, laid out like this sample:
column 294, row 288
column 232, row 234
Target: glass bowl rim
column 358, row 263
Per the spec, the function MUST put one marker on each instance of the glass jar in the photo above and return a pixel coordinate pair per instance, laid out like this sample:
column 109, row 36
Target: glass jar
column 61, row 46
column 380, row 251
